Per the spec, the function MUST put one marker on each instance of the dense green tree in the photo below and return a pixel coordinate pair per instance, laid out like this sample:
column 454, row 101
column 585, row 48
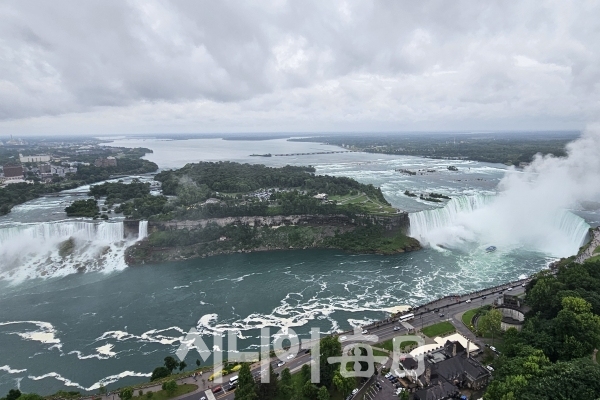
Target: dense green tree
column 490, row 323
column 13, row 394
column 577, row 328
column 343, row 385
column 126, row 394
column 285, row 387
column 286, row 377
column 304, row 374
column 119, row 192
column 182, row 366
column 169, row 386
column 323, row 393
column 246, row 389
column 268, row 391
column 159, row 372
column 171, row 363
column 309, row 390
column 83, row 208
column 330, row 347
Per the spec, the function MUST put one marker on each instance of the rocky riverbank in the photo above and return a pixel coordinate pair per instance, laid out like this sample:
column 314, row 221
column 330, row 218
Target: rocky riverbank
column 589, row 250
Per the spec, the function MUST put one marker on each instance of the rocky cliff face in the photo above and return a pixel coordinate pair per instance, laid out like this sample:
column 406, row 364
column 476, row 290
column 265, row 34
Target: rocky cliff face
column 270, row 233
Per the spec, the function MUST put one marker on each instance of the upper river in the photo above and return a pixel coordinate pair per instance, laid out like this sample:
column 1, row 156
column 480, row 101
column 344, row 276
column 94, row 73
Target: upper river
column 116, row 325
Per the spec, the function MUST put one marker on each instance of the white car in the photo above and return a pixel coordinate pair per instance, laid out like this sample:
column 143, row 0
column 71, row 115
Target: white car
column 396, row 328
column 291, row 356
column 364, row 331
column 280, row 363
column 509, row 289
column 490, row 368
column 468, row 301
column 342, row 338
column 355, row 391
column 492, row 348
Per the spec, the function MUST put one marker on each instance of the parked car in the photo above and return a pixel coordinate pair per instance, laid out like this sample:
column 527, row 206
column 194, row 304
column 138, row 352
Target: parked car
column 492, row 348
column 342, row 338
column 355, row 391
column 509, row 289
column 490, row 368
column 217, row 389
column 441, row 315
column 468, row 301
column 364, row 331
column 280, row 363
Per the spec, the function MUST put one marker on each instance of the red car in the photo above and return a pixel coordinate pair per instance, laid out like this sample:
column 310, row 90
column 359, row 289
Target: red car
column 217, row 389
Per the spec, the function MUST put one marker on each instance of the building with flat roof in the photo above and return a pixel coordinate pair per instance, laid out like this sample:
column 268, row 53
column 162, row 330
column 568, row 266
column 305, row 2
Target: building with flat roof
column 34, row 159
column 13, row 171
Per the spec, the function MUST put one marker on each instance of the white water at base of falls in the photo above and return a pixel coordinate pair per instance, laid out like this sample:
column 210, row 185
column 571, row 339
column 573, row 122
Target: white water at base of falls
column 53, row 249
column 484, row 220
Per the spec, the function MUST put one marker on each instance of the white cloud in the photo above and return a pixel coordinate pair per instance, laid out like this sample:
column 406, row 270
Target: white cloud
column 113, row 66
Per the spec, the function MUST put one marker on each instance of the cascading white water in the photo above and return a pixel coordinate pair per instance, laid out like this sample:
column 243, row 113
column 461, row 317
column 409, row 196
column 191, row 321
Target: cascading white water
column 143, row 230
column 103, row 231
column 489, row 220
column 60, row 248
column 426, row 221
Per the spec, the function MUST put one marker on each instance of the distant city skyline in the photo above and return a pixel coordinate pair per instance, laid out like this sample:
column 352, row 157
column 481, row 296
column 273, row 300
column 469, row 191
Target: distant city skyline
column 104, row 68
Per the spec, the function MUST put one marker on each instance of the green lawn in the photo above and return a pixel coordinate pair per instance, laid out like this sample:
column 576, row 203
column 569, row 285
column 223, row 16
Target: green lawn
column 388, row 344
column 163, row 395
column 379, row 353
column 372, row 206
column 441, row 328
column 468, row 317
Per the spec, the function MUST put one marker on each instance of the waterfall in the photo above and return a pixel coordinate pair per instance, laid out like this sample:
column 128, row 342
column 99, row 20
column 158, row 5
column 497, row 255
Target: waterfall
column 143, row 230
column 423, row 222
column 493, row 220
column 60, row 248
column 103, row 231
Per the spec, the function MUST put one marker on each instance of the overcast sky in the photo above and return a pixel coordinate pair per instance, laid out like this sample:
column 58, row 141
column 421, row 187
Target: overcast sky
column 112, row 67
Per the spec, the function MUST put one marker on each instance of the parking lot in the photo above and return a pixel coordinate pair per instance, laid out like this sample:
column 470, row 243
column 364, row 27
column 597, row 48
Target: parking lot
column 381, row 389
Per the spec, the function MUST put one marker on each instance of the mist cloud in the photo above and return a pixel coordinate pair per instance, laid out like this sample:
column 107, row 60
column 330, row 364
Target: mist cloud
column 192, row 66
column 533, row 207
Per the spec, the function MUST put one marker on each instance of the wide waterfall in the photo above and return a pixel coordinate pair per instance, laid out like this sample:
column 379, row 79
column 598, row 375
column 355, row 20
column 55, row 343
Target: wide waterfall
column 424, row 222
column 61, row 248
column 488, row 220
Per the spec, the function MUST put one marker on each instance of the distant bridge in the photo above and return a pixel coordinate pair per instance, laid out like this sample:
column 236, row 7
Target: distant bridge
column 310, row 154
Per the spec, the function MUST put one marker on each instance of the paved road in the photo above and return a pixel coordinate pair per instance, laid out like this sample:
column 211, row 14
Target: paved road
column 424, row 316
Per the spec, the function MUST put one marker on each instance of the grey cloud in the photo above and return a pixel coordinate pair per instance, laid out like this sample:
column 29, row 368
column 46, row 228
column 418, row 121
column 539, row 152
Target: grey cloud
column 237, row 63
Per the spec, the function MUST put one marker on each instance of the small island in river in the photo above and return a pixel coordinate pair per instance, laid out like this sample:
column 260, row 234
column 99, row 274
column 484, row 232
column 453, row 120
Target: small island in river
column 224, row 207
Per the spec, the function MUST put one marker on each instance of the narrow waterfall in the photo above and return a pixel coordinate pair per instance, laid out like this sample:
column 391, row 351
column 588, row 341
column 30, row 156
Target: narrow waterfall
column 143, row 230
